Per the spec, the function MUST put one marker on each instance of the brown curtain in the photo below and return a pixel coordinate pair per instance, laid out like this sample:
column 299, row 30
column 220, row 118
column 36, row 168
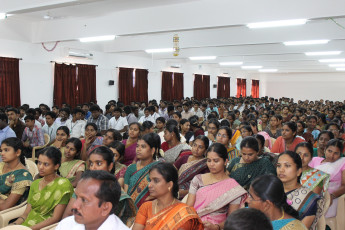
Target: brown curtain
column 167, row 86
column 198, row 87
column 141, row 85
column 178, row 86
column 9, row 82
column 65, row 84
column 255, row 88
column 126, row 90
column 206, row 86
column 223, row 87
column 244, row 87
column 86, row 79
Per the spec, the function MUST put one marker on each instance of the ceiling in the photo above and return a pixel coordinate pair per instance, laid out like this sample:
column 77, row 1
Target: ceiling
column 205, row 28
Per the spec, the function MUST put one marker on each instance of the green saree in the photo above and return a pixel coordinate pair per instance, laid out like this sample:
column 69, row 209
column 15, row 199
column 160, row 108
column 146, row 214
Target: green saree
column 69, row 169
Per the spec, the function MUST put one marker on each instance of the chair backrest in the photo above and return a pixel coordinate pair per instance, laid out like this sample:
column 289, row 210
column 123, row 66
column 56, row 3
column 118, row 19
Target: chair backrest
column 46, row 138
column 15, row 227
column 32, row 167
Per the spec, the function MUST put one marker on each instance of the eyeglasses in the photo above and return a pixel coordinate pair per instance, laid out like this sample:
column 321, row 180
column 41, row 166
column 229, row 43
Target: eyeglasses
column 223, row 136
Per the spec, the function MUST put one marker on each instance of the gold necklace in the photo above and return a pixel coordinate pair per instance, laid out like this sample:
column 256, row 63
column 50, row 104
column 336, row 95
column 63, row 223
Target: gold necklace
column 167, row 206
column 282, row 217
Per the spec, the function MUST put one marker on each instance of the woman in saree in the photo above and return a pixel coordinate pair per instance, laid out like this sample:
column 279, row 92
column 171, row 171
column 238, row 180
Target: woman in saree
column 273, row 130
column 212, row 130
column 214, row 195
column 303, row 200
column 48, row 195
column 313, row 179
column 172, row 147
column 166, row 211
column 101, row 158
column 91, row 140
column 15, row 179
column 246, row 168
column 288, row 140
column 118, row 150
column 322, row 141
column 137, row 174
column 110, row 136
column 266, row 194
column 134, row 133
column 62, row 134
column 192, row 165
column 224, row 136
column 334, row 165
column 72, row 167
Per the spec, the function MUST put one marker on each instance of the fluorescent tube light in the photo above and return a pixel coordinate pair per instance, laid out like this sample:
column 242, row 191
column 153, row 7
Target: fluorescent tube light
column 268, row 70
column 98, row 38
column 293, row 22
column 164, row 50
column 231, row 63
column 307, row 42
column 251, row 67
column 3, row 16
column 202, row 58
column 340, row 69
column 336, row 65
column 332, row 60
column 323, row 53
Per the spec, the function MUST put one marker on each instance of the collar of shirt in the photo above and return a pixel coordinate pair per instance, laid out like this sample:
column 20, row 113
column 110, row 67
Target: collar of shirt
column 4, row 130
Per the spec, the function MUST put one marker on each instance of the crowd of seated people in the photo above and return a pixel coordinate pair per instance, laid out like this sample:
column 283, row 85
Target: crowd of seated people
column 174, row 165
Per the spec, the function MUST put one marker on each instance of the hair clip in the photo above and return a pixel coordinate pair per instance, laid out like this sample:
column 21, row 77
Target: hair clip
column 289, row 202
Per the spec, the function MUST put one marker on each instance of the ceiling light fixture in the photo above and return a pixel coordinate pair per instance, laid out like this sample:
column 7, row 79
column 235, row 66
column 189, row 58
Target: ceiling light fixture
column 251, row 67
column 164, row 50
column 307, row 42
column 202, row 58
column 3, row 16
column 324, row 53
column 340, row 69
column 281, row 23
column 231, row 63
column 268, row 70
column 336, row 65
column 98, row 38
column 332, row 60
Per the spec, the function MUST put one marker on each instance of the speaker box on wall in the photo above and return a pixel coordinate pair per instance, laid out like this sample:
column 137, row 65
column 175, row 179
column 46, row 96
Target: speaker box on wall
column 111, row 82
column 215, row 86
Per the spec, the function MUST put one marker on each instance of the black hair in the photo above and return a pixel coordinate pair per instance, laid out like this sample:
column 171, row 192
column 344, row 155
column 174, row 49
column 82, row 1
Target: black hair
column 248, row 128
column 4, row 117
column 154, row 141
column 171, row 122
column 225, row 122
column 247, row 219
column 250, row 142
column 307, row 145
column 52, row 114
column 183, row 121
column 204, row 139
column 109, row 189
column 94, row 108
column 270, row 187
column 332, row 124
column 161, row 119
column 119, row 146
column 53, row 154
column 77, row 144
column 194, row 121
column 63, row 128
column 215, row 122
column 312, row 117
column 227, row 130
column 117, row 109
column 16, row 111
column 336, row 143
column 16, row 144
column 292, row 125
column 296, row 159
column 147, row 125
column 302, row 123
column 91, row 124
column 219, row 149
column 29, row 117
column 67, row 110
column 107, row 155
column 116, row 134
column 329, row 133
column 77, row 110
column 137, row 124
column 169, row 173
column 173, row 129
column 178, row 114
column 260, row 139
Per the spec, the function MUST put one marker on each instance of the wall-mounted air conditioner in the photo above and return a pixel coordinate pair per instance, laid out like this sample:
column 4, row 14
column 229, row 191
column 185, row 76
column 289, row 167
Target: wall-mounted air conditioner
column 77, row 53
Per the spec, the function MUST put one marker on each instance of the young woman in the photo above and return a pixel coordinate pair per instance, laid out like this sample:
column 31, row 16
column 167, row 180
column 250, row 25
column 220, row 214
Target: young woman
column 184, row 127
column 91, row 140
column 136, row 177
column 273, row 130
column 289, row 170
column 214, row 195
column 223, row 137
column 264, row 151
column 62, row 134
column 166, row 211
column 192, row 165
column 196, row 130
column 48, row 195
column 172, row 147
column 72, row 167
column 286, row 114
column 246, row 168
column 266, row 194
column 264, row 119
column 334, row 165
column 301, row 126
column 134, row 133
column 148, row 127
column 15, row 179
column 118, row 150
column 288, row 140
column 322, row 141
column 101, row 158
column 313, row 179
column 212, row 130
column 110, row 136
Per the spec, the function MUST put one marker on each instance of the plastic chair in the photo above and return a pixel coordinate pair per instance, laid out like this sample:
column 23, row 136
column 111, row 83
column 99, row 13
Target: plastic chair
column 11, row 213
column 338, row 222
column 50, row 227
column 32, row 167
column 16, row 227
column 46, row 142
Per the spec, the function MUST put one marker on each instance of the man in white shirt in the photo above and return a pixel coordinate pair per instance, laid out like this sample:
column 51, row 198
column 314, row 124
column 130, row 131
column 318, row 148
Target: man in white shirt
column 118, row 122
column 197, row 111
column 50, row 127
column 98, row 194
column 146, row 117
column 63, row 116
column 76, row 126
column 153, row 112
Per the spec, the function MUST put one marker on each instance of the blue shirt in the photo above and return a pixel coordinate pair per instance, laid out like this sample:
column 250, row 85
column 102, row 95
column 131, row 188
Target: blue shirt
column 6, row 133
column 315, row 133
column 87, row 115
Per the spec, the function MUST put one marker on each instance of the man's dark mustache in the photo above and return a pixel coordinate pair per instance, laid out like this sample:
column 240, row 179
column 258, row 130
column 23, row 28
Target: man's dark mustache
column 75, row 212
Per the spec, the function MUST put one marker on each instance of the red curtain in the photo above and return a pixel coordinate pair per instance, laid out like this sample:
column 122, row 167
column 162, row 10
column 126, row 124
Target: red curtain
column 167, row 86
column 206, row 85
column 241, row 87
column 178, row 86
column 244, row 87
column 141, row 85
column 126, row 90
column 198, row 87
column 9, row 82
column 86, row 79
column 223, row 87
column 65, row 84
column 255, row 88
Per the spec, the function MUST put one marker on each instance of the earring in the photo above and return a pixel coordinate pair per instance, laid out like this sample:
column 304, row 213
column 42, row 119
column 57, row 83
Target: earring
column 169, row 189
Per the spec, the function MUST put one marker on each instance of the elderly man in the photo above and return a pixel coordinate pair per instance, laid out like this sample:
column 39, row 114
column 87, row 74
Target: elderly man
column 98, row 193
